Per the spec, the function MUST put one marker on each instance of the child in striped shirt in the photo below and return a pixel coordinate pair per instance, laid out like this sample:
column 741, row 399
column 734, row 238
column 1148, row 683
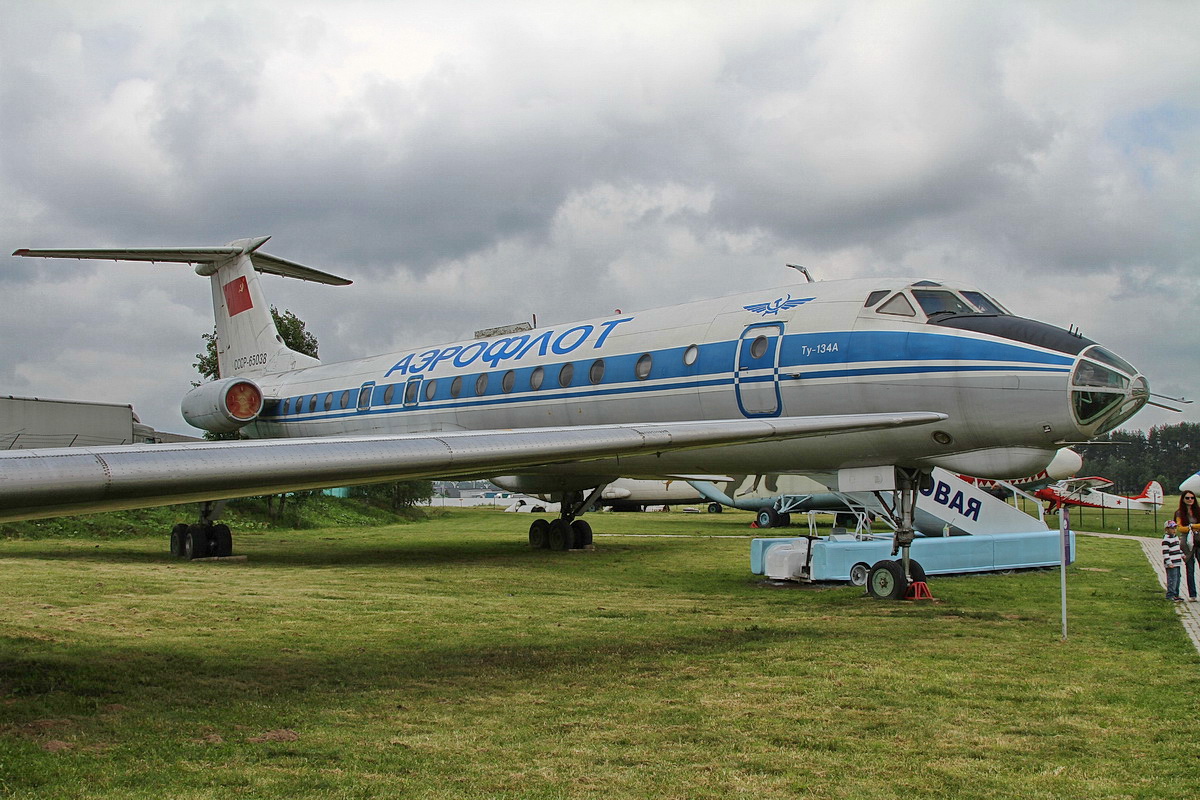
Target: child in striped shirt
column 1172, row 559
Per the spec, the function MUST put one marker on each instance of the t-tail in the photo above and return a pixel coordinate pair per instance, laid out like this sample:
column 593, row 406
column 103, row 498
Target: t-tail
column 248, row 343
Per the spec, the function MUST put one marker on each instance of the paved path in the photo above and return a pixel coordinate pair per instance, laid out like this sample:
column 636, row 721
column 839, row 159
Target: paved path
column 1189, row 613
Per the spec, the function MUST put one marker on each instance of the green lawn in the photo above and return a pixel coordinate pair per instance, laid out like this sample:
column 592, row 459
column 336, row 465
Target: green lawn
column 446, row 659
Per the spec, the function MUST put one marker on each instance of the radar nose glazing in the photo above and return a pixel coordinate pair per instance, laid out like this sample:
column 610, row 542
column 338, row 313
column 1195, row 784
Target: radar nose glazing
column 1105, row 390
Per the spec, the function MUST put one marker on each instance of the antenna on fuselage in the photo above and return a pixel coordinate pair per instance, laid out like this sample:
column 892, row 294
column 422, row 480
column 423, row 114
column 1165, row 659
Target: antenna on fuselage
column 803, row 271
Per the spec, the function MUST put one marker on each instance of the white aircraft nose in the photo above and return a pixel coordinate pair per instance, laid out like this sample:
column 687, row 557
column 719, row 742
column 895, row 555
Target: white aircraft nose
column 1192, row 484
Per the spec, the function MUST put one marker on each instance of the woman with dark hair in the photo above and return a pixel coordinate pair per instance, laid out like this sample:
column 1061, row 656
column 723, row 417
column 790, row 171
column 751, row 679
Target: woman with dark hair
column 1188, row 519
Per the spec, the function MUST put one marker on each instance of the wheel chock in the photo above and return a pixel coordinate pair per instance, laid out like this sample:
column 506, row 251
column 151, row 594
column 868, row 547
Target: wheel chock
column 918, row 590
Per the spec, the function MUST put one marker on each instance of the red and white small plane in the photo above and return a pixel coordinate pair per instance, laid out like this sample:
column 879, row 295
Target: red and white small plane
column 1086, row 492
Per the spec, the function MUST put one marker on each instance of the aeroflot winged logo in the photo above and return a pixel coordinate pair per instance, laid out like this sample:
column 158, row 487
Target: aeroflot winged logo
column 775, row 306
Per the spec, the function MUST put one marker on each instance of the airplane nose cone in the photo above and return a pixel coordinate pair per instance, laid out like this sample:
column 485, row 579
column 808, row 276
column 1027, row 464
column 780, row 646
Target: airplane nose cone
column 1192, row 484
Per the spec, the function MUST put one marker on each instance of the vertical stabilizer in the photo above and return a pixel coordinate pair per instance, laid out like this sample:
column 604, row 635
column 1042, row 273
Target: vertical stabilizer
column 1152, row 494
column 247, row 341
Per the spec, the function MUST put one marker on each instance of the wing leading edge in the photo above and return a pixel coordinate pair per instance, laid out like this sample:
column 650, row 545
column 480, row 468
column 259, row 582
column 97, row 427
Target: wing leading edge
column 79, row 480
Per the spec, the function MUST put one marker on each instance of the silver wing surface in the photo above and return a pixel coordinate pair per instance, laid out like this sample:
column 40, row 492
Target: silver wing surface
column 78, row 480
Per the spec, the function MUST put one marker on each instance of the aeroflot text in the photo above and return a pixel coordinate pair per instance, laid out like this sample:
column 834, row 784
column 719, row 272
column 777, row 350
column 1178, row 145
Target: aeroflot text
column 509, row 348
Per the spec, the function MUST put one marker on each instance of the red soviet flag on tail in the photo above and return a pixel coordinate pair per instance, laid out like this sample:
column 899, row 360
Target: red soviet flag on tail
column 237, row 296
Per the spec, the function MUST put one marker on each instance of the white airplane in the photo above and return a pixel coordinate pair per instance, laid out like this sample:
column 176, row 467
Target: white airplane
column 1192, row 484
column 1087, row 492
column 875, row 381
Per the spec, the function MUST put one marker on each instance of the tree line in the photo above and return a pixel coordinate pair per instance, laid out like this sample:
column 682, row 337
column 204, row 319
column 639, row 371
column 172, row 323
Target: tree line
column 1168, row 454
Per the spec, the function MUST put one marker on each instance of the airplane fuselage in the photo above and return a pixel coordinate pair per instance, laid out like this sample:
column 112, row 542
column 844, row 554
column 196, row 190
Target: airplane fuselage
column 810, row 349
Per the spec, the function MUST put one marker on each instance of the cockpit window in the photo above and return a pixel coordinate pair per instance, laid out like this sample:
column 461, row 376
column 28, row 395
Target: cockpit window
column 898, row 305
column 940, row 302
column 1091, row 406
column 1089, row 373
column 874, row 297
column 1104, row 356
column 984, row 303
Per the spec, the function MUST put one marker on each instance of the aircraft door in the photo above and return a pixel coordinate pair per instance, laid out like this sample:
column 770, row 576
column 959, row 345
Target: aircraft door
column 756, row 370
column 412, row 391
column 365, row 393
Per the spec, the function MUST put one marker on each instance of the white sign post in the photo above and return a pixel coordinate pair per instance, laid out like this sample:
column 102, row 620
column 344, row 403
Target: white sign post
column 1064, row 530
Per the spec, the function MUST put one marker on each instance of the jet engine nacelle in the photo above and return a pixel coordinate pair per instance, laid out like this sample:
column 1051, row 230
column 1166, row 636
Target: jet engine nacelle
column 223, row 406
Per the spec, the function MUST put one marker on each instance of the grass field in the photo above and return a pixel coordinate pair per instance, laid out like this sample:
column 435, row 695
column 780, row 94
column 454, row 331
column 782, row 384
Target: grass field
column 445, row 659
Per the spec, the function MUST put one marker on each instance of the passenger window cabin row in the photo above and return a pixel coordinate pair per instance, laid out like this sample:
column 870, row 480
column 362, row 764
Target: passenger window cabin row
column 428, row 388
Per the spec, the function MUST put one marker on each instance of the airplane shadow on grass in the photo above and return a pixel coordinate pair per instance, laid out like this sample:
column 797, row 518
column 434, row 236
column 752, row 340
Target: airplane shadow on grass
column 296, row 549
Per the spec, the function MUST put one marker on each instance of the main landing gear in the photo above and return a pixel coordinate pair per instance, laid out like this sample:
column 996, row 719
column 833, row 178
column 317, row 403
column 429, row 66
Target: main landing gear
column 203, row 539
column 568, row 532
column 905, row 577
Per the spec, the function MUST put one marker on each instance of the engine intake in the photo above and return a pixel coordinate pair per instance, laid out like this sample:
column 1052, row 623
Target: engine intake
column 223, row 406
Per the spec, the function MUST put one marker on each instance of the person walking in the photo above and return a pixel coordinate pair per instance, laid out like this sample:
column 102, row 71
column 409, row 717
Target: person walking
column 1187, row 517
column 1172, row 559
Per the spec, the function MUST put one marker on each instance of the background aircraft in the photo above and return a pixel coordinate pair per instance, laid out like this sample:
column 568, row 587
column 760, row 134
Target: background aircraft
column 1087, row 492
column 893, row 377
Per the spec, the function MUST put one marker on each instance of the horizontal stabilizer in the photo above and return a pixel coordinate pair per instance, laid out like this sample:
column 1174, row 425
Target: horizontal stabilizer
column 196, row 255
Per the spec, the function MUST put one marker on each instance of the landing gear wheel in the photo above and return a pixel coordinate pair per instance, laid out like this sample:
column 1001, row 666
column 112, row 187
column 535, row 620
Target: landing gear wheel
column 768, row 517
column 561, row 537
column 916, row 571
column 859, row 573
column 539, row 534
column 715, row 508
column 222, row 540
column 195, row 542
column 583, row 533
column 886, row 580
column 177, row 536
column 785, row 520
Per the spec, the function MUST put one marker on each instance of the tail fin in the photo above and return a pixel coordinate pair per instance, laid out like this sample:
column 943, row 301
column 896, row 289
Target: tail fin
column 247, row 340
column 1153, row 493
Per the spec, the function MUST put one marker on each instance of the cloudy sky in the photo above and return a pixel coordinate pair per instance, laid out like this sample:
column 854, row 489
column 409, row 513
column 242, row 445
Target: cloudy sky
column 472, row 164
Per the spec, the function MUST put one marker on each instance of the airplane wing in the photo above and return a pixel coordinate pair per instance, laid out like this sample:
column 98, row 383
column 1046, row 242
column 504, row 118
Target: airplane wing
column 1082, row 484
column 78, row 480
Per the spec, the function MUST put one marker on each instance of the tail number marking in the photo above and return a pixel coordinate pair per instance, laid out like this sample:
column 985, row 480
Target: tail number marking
column 256, row 360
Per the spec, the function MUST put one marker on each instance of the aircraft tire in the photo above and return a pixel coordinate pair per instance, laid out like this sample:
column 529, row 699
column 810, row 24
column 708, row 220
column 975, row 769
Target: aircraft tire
column 561, row 536
column 859, row 573
column 916, row 571
column 222, row 540
column 583, row 533
column 177, row 535
column 886, row 580
column 195, row 542
column 768, row 517
column 715, row 508
column 785, row 520
column 539, row 534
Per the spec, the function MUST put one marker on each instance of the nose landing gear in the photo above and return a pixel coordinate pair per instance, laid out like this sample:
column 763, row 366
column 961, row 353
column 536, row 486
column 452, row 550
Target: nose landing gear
column 905, row 577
